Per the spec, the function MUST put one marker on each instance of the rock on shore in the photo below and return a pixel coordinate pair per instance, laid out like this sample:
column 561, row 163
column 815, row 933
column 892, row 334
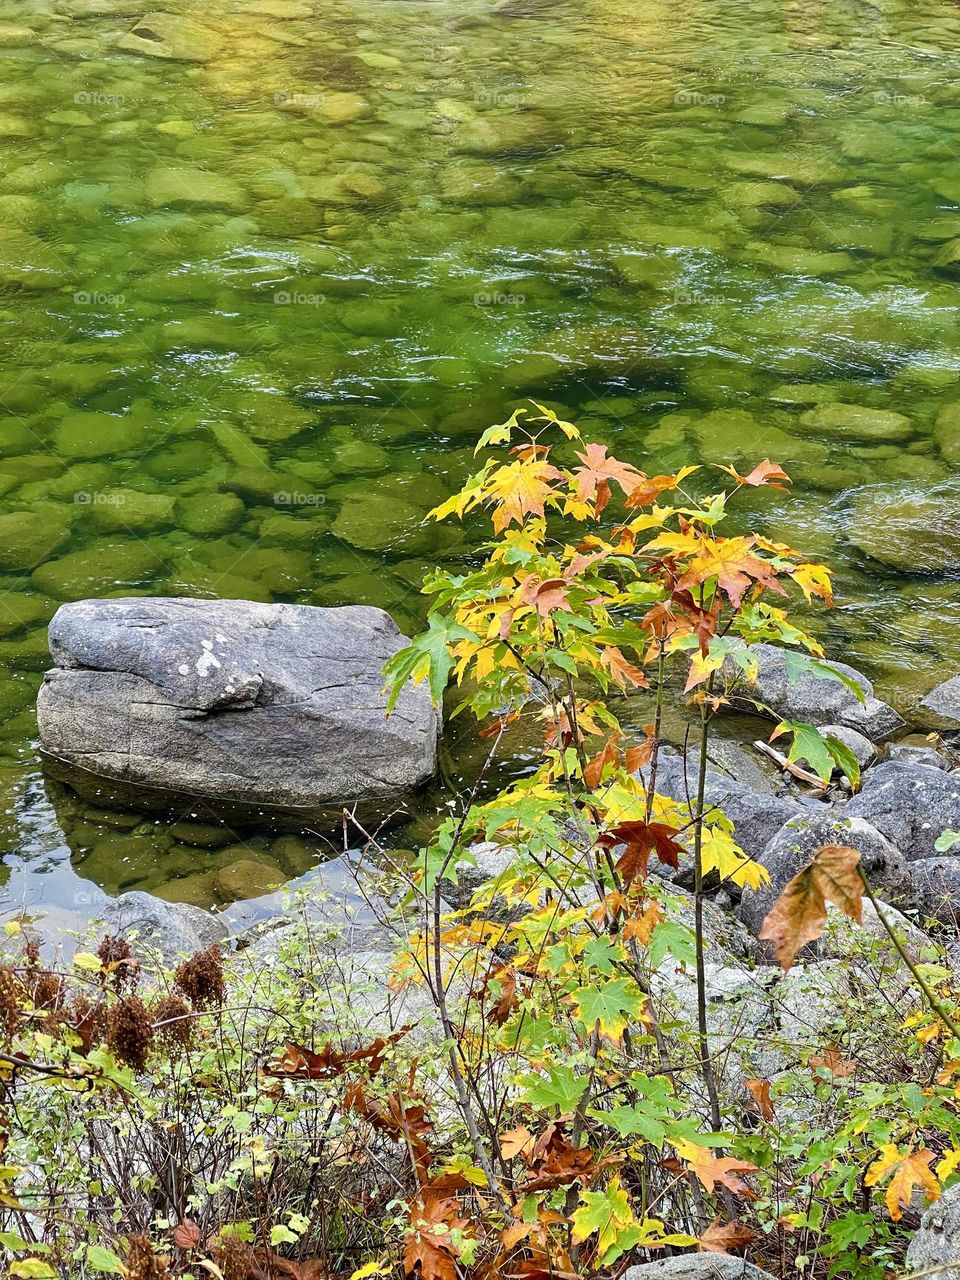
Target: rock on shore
column 273, row 705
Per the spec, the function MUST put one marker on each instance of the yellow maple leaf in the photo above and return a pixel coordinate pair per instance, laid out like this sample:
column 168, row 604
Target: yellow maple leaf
column 909, row 1170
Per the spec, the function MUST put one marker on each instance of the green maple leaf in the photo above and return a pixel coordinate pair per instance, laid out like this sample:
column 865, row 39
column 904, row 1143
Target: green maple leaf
column 425, row 657
column 561, row 1089
column 611, row 1004
column 604, row 1213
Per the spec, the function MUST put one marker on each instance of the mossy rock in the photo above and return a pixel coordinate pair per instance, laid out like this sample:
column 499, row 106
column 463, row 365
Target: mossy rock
column 912, row 530
column 210, row 513
column 27, row 537
column 857, row 422
column 248, row 878
column 100, row 569
column 119, row 510
column 99, row 435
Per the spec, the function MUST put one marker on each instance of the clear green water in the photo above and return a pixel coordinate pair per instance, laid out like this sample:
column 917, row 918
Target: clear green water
column 255, row 306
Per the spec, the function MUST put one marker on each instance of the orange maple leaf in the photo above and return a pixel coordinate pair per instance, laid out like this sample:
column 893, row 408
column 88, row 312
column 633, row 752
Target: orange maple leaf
column 713, row 1169
column 598, row 470
column 909, row 1171
column 730, row 561
column 622, row 670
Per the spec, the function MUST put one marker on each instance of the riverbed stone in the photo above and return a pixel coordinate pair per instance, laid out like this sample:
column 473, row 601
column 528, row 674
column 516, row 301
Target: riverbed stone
column 29, row 537
column 100, row 568
column 862, row 748
column 119, row 510
column 248, row 878
column 235, row 701
column 210, row 513
column 857, row 422
column 171, row 35
column 174, row 185
column 943, row 702
column 914, row 529
column 697, row 1266
column 99, row 435
column 911, row 804
column 757, row 814
column 937, row 887
column 798, row 840
column 816, row 699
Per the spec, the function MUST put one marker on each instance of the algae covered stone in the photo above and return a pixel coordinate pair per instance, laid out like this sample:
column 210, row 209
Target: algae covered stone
column 857, row 422
column 914, row 529
column 27, row 537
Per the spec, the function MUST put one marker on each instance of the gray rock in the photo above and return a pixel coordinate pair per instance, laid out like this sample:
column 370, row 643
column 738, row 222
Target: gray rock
column 937, row 1239
column 910, row 753
column 698, row 1266
column 944, row 701
column 862, row 748
column 911, row 804
column 756, row 815
column 798, row 840
column 234, row 701
column 820, row 700
column 167, row 929
column 937, row 886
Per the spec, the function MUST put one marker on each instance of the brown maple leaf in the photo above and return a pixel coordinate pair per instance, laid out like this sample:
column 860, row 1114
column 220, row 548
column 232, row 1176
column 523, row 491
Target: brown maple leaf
column 609, row 754
column 833, row 1061
column 724, row 1237
column 544, row 594
column 623, row 671
column 649, row 489
column 760, row 1090
column 800, row 913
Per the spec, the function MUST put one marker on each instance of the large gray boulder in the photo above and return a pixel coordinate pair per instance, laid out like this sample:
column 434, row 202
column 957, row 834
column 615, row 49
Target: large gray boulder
column 937, row 1240
column 944, row 702
column 937, row 886
column 697, row 1266
column 263, row 704
column 819, row 700
column 911, row 804
column 756, row 813
column 798, row 840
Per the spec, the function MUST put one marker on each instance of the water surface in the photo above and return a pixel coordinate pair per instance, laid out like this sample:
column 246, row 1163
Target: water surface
column 266, row 269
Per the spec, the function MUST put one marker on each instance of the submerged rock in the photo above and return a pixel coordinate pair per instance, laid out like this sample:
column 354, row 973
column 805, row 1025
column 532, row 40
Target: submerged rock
column 912, row 529
column 273, row 705
column 171, row 35
column 857, row 422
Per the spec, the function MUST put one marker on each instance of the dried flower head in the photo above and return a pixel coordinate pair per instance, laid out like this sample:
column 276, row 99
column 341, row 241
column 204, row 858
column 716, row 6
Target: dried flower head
column 232, row 1256
column 116, row 955
column 130, row 1032
column 31, row 951
column 11, row 1010
column 201, row 978
column 45, row 989
column 143, row 1263
column 174, row 1026
column 88, row 1018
